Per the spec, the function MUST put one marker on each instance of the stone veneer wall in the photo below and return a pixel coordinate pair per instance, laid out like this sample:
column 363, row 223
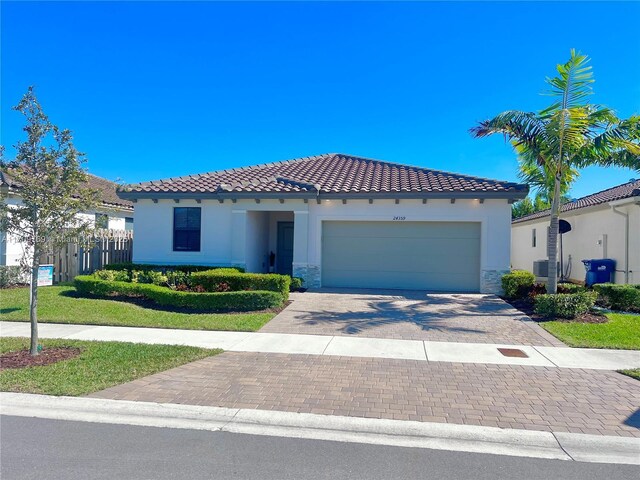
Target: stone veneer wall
column 310, row 274
column 491, row 281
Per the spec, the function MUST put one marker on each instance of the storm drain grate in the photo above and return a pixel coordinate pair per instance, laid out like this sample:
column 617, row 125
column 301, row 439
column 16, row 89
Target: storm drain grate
column 513, row 352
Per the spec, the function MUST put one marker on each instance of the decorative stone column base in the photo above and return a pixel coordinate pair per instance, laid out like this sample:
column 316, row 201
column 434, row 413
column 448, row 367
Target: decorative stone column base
column 309, row 273
column 491, row 281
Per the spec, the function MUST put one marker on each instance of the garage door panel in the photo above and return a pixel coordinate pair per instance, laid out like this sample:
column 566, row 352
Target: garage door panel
column 419, row 230
column 407, row 258
column 423, row 255
column 444, row 282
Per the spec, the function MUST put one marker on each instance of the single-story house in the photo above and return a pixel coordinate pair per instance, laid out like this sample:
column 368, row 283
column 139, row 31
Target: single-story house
column 113, row 213
column 335, row 220
column 603, row 225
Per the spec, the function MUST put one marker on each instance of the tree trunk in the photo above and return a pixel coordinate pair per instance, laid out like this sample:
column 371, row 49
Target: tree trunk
column 33, row 303
column 552, row 241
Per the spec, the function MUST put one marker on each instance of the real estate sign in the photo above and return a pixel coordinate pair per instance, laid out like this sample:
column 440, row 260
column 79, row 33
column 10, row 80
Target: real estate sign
column 45, row 275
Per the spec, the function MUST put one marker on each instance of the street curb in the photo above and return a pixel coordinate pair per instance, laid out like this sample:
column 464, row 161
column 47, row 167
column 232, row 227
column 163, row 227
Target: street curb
column 438, row 436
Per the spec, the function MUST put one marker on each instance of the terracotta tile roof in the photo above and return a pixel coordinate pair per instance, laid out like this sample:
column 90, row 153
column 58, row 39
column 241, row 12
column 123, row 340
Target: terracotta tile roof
column 327, row 174
column 619, row 192
column 107, row 190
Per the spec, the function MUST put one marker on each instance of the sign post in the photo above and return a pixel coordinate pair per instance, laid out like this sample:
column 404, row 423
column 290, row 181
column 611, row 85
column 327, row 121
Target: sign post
column 45, row 275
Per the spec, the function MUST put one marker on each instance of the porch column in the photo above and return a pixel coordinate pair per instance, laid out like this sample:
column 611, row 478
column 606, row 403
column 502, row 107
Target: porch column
column 300, row 238
column 239, row 238
column 301, row 248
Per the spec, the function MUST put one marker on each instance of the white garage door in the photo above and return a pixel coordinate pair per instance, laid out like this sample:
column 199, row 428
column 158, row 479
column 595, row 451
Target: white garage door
column 438, row 256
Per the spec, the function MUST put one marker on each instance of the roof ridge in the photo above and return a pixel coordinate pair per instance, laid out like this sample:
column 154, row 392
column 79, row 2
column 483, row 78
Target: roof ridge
column 426, row 169
column 235, row 169
column 323, row 155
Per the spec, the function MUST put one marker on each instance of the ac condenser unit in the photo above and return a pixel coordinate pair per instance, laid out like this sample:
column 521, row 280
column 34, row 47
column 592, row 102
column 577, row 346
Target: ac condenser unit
column 541, row 268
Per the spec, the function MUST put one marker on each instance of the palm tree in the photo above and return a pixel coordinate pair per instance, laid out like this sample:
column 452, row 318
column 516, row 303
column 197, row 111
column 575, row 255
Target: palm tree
column 568, row 135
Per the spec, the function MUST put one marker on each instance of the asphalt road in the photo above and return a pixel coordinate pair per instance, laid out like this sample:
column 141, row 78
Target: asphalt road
column 53, row 449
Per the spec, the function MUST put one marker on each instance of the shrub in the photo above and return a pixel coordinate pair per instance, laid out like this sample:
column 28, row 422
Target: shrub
column 296, row 284
column 619, row 297
column 110, row 275
column 178, row 280
column 570, row 288
column 212, row 302
column 211, row 280
column 537, row 289
column 144, row 267
column 517, row 283
column 565, row 305
column 12, row 275
column 149, row 276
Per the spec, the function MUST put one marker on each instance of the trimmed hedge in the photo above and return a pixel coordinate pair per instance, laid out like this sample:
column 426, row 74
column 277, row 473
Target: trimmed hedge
column 145, row 267
column 565, row 305
column 296, row 284
column 211, row 302
column 225, row 279
column 517, row 283
column 619, row 297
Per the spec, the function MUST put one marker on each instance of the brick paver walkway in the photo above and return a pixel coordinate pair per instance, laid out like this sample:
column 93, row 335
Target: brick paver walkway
column 402, row 315
column 537, row 398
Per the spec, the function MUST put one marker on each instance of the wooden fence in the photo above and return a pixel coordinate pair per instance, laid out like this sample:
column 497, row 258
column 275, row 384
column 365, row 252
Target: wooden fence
column 107, row 246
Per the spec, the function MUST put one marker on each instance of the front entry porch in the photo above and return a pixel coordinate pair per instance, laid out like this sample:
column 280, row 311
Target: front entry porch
column 270, row 241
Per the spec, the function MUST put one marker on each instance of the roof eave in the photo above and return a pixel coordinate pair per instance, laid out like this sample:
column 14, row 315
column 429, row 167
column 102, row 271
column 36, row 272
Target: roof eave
column 508, row 195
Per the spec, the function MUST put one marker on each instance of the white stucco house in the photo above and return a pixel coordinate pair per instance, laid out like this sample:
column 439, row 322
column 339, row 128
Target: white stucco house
column 335, row 220
column 113, row 213
column 603, row 225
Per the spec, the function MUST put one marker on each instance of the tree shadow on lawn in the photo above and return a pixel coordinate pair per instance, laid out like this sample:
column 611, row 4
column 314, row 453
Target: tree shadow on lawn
column 9, row 310
column 441, row 313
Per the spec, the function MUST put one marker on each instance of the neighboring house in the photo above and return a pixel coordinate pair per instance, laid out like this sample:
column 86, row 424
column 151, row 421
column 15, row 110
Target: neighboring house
column 334, row 220
column 603, row 225
column 113, row 213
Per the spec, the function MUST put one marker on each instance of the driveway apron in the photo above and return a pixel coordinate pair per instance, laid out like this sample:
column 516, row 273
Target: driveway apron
column 409, row 315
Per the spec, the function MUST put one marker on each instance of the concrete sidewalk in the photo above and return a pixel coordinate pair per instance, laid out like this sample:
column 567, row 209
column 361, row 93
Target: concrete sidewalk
column 465, row 438
column 542, row 356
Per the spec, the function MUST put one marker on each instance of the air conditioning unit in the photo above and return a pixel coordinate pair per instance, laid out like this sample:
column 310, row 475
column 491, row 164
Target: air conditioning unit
column 541, row 268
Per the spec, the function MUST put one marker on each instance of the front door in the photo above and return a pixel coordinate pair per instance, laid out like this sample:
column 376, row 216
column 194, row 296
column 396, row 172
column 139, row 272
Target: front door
column 284, row 255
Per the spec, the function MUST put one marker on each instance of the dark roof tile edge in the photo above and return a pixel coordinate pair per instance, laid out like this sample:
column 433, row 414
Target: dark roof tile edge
column 565, row 207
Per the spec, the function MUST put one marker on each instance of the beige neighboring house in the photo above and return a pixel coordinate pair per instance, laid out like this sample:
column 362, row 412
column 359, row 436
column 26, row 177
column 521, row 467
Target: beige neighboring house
column 603, row 225
column 113, row 213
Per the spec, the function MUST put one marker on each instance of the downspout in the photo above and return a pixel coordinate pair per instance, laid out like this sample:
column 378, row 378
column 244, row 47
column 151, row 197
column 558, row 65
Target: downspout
column 626, row 242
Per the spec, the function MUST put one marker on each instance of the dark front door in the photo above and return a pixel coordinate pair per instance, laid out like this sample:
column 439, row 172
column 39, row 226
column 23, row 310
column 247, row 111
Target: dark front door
column 284, row 255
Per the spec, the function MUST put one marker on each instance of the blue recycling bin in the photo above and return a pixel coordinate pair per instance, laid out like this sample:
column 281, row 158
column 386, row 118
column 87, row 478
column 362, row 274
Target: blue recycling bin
column 599, row 270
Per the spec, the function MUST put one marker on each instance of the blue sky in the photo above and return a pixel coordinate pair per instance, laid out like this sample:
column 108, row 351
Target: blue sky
column 154, row 90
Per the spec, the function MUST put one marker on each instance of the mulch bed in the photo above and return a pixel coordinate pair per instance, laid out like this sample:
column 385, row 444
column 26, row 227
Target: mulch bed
column 526, row 307
column 23, row 359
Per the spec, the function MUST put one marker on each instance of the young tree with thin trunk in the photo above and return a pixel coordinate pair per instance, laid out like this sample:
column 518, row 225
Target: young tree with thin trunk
column 568, row 135
column 48, row 178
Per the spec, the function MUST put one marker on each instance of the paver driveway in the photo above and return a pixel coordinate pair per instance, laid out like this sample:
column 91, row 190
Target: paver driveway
column 409, row 315
column 537, row 398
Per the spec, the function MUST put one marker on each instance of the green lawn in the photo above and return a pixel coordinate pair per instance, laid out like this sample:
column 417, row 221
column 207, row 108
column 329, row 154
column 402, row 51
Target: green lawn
column 635, row 373
column 58, row 304
column 622, row 331
column 99, row 366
